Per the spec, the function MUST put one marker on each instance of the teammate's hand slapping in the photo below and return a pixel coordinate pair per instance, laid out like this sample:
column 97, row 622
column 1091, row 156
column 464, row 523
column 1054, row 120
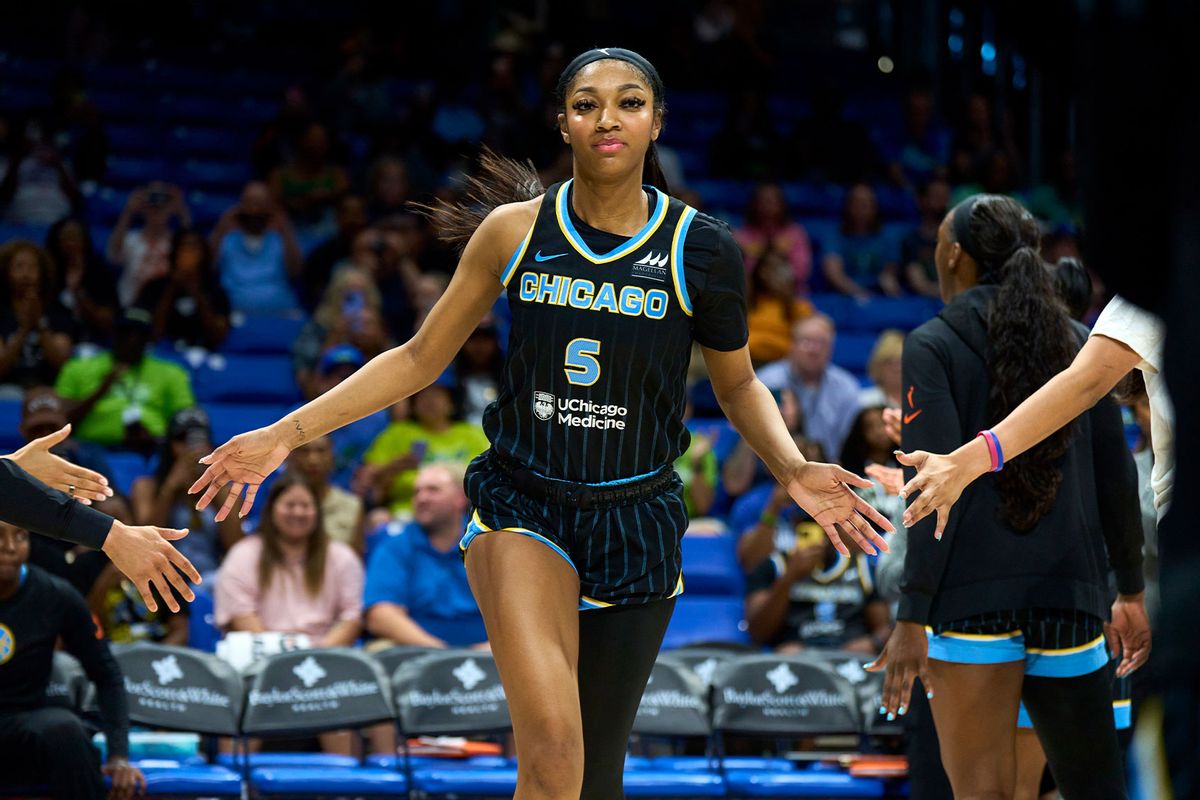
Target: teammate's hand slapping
column 823, row 490
column 245, row 460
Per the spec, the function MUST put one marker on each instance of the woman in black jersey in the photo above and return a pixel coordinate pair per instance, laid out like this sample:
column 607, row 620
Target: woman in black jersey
column 575, row 506
column 1010, row 603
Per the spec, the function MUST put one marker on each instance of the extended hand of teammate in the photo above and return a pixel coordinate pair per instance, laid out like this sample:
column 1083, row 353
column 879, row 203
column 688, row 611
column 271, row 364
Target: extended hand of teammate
column 906, row 658
column 940, row 480
column 245, row 460
column 82, row 484
column 823, row 490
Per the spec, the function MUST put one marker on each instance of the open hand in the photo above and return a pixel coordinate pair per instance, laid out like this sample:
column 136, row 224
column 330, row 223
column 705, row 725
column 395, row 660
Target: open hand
column 940, row 480
column 892, row 478
column 1131, row 630
column 906, row 658
column 127, row 780
column 823, row 490
column 82, row 484
column 245, row 460
column 144, row 553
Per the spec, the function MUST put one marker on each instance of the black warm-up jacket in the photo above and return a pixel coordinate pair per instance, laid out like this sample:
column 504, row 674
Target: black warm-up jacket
column 982, row 564
column 30, row 504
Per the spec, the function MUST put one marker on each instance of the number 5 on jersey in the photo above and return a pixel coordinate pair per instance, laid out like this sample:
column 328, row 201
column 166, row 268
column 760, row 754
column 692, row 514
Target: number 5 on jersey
column 582, row 368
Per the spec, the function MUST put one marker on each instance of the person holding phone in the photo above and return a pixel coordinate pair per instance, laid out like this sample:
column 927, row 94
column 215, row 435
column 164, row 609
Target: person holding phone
column 143, row 253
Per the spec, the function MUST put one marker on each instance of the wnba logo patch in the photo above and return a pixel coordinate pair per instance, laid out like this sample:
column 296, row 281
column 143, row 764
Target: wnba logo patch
column 543, row 405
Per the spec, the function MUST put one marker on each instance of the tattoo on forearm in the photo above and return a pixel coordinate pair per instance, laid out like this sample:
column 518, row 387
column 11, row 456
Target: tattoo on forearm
column 299, row 429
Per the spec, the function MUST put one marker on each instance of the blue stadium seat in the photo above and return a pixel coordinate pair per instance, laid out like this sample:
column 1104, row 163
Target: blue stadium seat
column 133, row 138
column 34, row 233
column 852, row 351
column 246, row 379
column 328, row 782
column 706, row 619
column 10, row 422
column 104, row 206
column 710, row 566
column 192, row 781
column 213, row 175
column 187, row 140
column 287, row 759
column 823, row 200
column 207, row 207
column 203, row 633
column 816, row 782
column 126, row 468
column 230, row 419
column 130, row 171
column 263, row 334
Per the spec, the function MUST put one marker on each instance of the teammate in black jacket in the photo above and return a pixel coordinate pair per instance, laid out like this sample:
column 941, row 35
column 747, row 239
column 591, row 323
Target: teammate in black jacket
column 576, row 505
column 40, row 743
column 1010, row 603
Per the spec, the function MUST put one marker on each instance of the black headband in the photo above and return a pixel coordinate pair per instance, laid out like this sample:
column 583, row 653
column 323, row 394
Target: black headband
column 962, row 227
column 620, row 54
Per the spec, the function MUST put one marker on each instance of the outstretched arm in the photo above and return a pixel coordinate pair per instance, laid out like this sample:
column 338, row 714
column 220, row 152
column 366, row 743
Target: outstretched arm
column 247, row 459
column 1097, row 369
column 823, row 490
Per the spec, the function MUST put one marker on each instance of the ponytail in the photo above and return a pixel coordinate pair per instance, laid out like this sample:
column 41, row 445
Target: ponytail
column 1030, row 340
column 652, row 172
column 500, row 180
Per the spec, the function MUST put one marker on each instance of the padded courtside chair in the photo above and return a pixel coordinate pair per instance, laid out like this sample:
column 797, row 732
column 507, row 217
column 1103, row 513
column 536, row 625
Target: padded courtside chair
column 790, row 697
column 181, row 689
column 311, row 691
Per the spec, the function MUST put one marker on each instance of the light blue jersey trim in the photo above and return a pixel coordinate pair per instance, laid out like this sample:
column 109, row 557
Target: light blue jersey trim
column 617, row 482
column 677, row 271
column 634, row 242
column 517, row 255
column 1122, row 715
column 976, row 651
column 1067, row 663
column 475, row 527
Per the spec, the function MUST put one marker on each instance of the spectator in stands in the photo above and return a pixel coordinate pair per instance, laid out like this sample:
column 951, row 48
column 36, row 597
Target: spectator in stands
column 125, row 397
column 433, row 435
column 861, row 260
column 884, row 369
column 812, row 597
column 37, row 188
column 417, row 591
column 35, row 330
column 348, row 314
column 257, row 253
column 743, row 469
column 41, row 744
column 747, row 146
column 827, row 393
column 867, row 442
column 916, row 250
column 697, row 469
column 142, row 255
column 350, row 442
column 479, row 368
column 427, row 290
column 923, row 149
column 84, row 283
column 274, row 143
column 351, row 218
column 188, row 303
column 118, row 606
column 1058, row 202
column 770, row 227
column 773, row 308
column 341, row 511
column 388, row 189
column 291, row 578
column 389, row 250
column 765, row 519
column 162, row 499
column 43, row 413
column 978, row 138
column 308, row 185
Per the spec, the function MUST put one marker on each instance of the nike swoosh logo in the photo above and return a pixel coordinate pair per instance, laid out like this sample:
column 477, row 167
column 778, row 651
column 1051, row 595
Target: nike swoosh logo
column 910, row 417
column 539, row 257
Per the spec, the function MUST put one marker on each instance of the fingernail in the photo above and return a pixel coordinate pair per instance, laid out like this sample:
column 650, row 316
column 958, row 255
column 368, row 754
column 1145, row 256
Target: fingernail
column 104, row 480
column 891, row 716
column 897, row 452
column 937, row 536
column 902, row 710
column 883, row 709
column 929, row 695
column 903, row 496
column 868, row 666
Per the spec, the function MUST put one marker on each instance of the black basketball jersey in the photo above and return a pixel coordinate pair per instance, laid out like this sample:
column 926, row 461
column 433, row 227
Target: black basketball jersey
column 595, row 374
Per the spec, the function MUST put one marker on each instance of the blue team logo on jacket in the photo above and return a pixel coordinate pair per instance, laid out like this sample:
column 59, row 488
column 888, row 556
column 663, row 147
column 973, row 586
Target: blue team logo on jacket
column 8, row 644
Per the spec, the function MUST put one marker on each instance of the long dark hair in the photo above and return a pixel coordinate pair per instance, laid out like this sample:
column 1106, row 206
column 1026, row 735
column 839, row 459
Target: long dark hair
column 272, row 553
column 1074, row 286
column 92, row 260
column 499, row 181
column 1030, row 340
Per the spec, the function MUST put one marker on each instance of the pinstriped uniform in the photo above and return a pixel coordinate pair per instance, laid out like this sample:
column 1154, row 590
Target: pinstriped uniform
column 594, row 387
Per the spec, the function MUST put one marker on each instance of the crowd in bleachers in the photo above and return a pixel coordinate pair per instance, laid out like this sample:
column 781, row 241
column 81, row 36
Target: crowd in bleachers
column 188, row 251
